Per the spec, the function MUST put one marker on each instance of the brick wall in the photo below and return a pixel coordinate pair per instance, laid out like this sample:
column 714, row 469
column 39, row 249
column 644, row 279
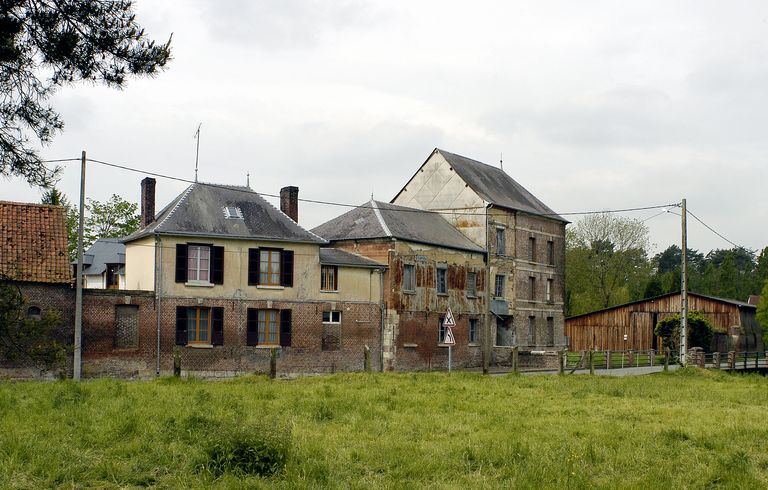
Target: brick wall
column 105, row 335
column 417, row 345
column 59, row 298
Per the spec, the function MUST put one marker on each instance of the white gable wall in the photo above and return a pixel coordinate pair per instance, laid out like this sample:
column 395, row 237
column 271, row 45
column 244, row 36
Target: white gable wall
column 437, row 187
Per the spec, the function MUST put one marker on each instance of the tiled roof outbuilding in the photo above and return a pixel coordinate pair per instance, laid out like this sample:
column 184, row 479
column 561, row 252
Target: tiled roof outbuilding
column 33, row 243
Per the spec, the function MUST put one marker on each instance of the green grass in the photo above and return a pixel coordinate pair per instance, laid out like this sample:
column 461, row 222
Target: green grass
column 689, row 429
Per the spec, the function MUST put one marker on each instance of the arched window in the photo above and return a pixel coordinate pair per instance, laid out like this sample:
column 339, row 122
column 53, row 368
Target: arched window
column 34, row 313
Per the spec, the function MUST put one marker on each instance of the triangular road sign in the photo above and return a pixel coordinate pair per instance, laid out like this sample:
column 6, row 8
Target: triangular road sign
column 449, row 340
column 449, row 321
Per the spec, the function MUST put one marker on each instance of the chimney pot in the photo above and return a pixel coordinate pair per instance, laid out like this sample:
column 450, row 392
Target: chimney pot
column 289, row 202
column 147, row 201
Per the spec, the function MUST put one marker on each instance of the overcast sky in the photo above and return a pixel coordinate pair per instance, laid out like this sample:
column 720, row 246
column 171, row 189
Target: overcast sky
column 594, row 105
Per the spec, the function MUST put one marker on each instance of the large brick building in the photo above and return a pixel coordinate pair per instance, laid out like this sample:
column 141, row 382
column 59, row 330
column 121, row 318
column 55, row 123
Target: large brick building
column 523, row 238
column 431, row 267
column 221, row 277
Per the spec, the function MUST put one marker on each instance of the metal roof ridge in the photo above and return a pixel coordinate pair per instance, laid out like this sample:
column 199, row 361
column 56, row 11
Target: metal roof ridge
column 173, row 210
column 383, row 223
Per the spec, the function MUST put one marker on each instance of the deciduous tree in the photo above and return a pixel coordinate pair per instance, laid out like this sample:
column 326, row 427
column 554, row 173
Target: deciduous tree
column 113, row 218
column 606, row 262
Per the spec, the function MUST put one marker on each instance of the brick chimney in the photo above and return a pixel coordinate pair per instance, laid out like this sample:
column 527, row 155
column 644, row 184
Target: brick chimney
column 289, row 202
column 147, row 201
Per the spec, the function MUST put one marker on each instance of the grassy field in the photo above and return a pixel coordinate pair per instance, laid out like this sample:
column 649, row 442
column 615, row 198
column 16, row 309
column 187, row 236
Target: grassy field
column 689, row 429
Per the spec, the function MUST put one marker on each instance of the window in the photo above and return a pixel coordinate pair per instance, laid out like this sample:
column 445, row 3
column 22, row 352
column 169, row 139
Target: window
column 532, row 249
column 441, row 330
column 549, row 290
column 498, row 290
column 113, row 276
column 473, row 330
column 471, row 284
column 329, row 278
column 268, row 327
column 550, row 331
column 531, row 330
column 232, row 212
column 532, row 287
column 269, row 267
column 201, row 264
column 198, row 263
column 331, row 330
column 551, row 252
column 331, row 317
column 34, row 313
column 409, row 277
column 198, row 326
column 442, row 283
column 500, row 241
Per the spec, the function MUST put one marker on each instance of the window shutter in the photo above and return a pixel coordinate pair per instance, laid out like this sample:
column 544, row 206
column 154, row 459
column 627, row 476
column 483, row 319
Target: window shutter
column 285, row 328
column 217, row 326
column 252, row 327
column 253, row 267
column 181, row 325
column 217, row 265
column 181, row 262
column 286, row 268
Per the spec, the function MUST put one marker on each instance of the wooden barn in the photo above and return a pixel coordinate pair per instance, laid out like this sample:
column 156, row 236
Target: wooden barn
column 630, row 326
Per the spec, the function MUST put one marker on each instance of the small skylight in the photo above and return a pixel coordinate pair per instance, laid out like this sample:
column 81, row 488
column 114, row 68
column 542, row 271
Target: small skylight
column 232, row 212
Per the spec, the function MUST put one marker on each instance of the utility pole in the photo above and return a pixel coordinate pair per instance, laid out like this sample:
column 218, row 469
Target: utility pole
column 684, row 288
column 77, row 361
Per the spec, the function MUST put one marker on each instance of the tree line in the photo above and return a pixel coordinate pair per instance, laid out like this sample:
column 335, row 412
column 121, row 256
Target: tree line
column 608, row 263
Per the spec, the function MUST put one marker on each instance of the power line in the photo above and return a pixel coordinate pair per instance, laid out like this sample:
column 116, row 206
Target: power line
column 333, row 203
column 713, row 230
column 60, row 160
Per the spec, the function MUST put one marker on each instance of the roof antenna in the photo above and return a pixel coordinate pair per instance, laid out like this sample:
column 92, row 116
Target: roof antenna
column 501, row 161
column 197, row 154
column 248, row 180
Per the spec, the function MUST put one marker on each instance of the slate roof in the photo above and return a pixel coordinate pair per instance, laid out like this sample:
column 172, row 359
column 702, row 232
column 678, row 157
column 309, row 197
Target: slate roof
column 496, row 187
column 199, row 211
column 103, row 251
column 33, row 243
column 376, row 219
column 334, row 256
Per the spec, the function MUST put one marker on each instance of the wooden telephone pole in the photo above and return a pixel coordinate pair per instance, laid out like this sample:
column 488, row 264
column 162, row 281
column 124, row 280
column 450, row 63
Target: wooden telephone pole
column 684, row 289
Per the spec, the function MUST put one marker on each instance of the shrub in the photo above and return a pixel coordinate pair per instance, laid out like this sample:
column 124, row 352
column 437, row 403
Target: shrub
column 249, row 449
column 700, row 331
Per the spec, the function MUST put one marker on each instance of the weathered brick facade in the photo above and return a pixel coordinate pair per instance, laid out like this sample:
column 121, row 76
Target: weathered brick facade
column 105, row 334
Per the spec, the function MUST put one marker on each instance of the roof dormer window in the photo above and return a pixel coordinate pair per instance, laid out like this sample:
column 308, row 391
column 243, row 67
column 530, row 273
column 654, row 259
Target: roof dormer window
column 232, row 212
